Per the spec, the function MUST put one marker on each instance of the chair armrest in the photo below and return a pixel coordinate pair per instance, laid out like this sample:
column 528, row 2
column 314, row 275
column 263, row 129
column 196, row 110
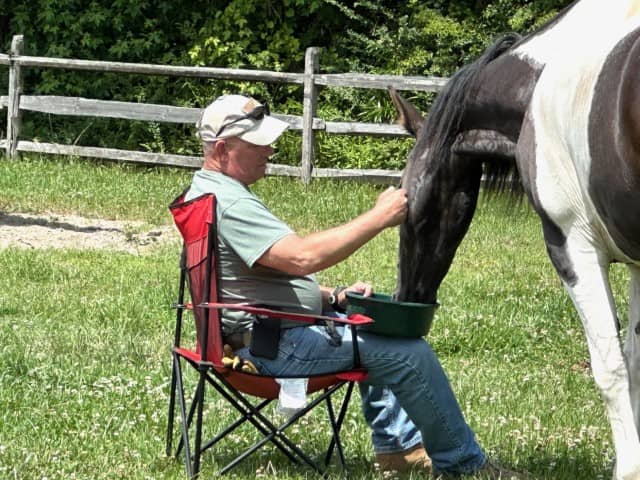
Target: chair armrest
column 354, row 319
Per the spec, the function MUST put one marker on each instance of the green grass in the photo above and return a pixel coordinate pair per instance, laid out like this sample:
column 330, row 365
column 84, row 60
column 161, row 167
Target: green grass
column 86, row 335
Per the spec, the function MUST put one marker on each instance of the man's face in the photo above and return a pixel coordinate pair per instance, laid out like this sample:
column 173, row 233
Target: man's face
column 247, row 162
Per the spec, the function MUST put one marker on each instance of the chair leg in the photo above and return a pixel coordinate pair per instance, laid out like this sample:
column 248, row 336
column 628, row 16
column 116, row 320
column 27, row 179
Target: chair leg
column 337, row 426
column 172, row 407
column 192, row 462
column 267, row 428
column 198, row 439
column 253, row 414
column 249, row 413
column 240, row 421
column 275, row 435
column 184, row 441
column 192, row 411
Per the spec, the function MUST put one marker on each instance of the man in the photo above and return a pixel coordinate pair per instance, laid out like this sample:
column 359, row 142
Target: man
column 407, row 399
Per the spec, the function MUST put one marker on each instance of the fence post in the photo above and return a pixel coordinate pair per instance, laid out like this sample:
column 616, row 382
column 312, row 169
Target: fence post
column 309, row 112
column 15, row 90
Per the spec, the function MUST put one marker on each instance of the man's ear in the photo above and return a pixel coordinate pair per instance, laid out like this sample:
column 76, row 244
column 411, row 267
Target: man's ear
column 220, row 148
column 215, row 155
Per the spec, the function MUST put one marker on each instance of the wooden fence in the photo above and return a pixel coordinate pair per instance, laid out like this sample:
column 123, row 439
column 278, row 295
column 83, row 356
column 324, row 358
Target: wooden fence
column 17, row 101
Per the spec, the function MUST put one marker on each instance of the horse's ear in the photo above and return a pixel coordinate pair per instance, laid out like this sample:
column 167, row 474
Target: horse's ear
column 408, row 116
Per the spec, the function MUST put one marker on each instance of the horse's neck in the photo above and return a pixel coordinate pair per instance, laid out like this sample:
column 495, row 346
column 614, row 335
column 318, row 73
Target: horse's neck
column 589, row 24
column 576, row 41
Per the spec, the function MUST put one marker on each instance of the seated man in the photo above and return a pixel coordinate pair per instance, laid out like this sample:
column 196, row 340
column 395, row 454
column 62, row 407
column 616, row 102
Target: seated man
column 407, row 399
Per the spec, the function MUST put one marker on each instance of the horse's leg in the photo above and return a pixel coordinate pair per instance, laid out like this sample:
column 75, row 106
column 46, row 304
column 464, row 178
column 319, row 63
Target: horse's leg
column 591, row 294
column 554, row 190
column 632, row 343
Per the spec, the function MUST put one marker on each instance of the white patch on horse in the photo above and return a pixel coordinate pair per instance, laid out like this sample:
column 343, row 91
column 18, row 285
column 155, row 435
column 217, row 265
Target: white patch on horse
column 589, row 24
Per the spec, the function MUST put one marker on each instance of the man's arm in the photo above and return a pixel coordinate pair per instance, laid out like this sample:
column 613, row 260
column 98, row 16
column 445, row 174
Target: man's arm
column 309, row 254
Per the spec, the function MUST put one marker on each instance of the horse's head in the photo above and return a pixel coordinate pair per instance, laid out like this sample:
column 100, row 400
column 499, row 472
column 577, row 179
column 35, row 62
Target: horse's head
column 443, row 172
column 442, row 189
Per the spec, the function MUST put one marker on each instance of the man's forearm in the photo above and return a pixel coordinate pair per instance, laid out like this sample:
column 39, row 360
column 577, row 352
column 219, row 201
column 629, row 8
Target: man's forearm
column 317, row 251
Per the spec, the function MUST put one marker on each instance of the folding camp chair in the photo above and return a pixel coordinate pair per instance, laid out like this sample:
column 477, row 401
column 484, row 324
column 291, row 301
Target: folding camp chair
column 248, row 393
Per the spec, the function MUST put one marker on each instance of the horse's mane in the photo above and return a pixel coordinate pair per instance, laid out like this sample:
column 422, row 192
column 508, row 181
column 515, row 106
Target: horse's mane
column 442, row 125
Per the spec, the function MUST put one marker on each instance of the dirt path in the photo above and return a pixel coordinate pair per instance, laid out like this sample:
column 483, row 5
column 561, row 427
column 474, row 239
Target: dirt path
column 71, row 231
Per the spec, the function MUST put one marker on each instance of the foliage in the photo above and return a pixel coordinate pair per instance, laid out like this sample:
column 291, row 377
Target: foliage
column 432, row 38
column 362, row 152
column 427, row 37
column 120, row 30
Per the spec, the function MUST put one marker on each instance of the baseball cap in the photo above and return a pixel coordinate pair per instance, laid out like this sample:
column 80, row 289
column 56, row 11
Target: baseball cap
column 239, row 116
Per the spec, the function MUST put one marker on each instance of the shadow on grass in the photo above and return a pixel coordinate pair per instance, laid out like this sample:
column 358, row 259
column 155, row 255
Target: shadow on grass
column 18, row 220
column 577, row 466
column 6, row 311
column 268, row 462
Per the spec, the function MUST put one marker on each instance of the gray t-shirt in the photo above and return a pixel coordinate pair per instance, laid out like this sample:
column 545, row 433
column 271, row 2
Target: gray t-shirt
column 246, row 230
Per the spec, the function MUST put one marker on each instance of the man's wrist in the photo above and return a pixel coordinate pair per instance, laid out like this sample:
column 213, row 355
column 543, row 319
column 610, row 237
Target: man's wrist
column 334, row 299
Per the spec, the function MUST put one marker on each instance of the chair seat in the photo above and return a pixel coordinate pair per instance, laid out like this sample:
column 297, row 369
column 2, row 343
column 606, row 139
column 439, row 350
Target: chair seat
column 264, row 386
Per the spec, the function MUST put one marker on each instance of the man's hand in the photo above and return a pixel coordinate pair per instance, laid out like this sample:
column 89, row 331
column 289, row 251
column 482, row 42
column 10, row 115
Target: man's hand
column 361, row 288
column 392, row 206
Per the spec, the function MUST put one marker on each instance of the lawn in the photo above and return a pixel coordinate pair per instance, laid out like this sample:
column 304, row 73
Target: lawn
column 86, row 335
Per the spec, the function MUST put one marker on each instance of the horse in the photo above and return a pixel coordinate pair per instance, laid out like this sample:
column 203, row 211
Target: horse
column 556, row 112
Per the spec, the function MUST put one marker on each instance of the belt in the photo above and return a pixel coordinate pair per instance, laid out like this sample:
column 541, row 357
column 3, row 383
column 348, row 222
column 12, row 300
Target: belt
column 238, row 340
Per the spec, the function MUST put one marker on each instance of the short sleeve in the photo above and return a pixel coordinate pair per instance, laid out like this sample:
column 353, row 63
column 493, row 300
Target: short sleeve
column 250, row 229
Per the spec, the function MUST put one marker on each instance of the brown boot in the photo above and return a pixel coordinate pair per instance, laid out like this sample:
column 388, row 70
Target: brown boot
column 415, row 458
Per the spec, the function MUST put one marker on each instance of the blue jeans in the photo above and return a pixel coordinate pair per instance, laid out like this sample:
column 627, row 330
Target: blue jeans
column 409, row 368
column 392, row 430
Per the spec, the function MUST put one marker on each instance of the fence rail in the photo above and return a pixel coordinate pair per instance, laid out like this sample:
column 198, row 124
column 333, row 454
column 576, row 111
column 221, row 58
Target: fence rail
column 16, row 102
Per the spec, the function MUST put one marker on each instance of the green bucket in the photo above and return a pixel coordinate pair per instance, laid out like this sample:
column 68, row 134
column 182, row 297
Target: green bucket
column 392, row 318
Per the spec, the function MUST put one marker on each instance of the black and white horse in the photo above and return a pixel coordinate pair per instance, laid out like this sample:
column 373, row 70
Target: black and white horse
column 563, row 106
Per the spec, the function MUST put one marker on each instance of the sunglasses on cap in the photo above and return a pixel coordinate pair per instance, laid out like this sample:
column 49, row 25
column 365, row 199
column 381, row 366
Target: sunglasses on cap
column 257, row 113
